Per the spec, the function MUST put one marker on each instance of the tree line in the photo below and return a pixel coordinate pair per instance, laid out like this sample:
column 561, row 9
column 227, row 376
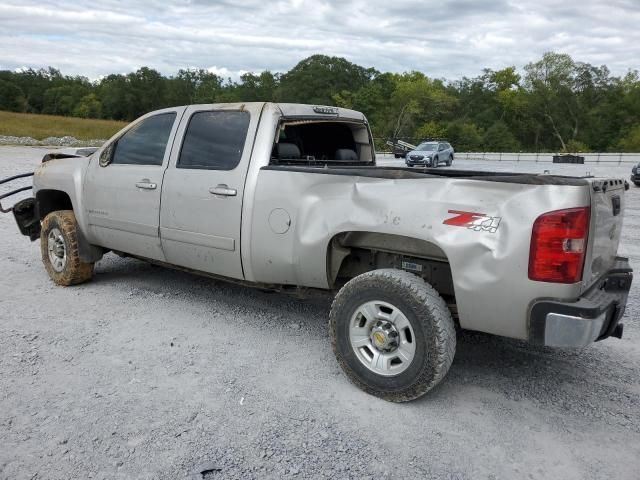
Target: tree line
column 553, row 104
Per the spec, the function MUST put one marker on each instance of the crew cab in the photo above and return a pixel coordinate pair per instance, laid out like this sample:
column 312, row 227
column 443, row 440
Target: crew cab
column 289, row 197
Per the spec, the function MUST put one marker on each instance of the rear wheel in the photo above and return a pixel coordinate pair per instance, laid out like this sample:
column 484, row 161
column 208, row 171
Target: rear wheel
column 392, row 334
column 59, row 249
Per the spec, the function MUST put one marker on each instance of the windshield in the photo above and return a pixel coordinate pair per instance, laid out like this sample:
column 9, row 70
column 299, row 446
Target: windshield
column 427, row 147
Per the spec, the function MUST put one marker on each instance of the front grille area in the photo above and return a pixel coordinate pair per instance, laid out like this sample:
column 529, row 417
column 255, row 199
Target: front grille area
column 416, row 157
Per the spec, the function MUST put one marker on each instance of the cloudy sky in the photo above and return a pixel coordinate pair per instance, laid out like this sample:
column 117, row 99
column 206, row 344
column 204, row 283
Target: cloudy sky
column 447, row 39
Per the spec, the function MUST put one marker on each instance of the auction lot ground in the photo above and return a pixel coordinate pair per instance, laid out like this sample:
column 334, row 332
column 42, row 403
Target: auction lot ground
column 152, row 373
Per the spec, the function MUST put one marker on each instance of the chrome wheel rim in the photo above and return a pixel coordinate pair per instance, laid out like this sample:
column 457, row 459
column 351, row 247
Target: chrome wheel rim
column 382, row 338
column 57, row 250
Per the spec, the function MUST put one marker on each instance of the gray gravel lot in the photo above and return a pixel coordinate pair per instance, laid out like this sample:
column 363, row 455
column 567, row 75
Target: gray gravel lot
column 151, row 373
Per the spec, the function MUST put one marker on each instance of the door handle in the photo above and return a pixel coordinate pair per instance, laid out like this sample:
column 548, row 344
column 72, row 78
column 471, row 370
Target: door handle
column 223, row 190
column 146, row 184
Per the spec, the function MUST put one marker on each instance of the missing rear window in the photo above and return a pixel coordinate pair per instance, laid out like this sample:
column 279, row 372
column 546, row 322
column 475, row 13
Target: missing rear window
column 313, row 142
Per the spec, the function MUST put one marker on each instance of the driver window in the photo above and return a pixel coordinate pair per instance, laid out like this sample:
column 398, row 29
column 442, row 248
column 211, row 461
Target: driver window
column 144, row 144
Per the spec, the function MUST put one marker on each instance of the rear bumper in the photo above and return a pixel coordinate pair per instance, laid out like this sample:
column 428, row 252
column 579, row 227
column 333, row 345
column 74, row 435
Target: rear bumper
column 594, row 316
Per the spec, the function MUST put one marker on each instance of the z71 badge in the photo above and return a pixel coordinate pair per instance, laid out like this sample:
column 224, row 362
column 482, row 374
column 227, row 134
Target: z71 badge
column 474, row 221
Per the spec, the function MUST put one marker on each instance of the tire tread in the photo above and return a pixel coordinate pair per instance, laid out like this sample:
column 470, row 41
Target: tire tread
column 76, row 271
column 422, row 295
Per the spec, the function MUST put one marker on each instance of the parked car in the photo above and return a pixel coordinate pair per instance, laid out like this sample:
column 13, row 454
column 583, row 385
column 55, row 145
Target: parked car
column 635, row 175
column 430, row 154
column 288, row 197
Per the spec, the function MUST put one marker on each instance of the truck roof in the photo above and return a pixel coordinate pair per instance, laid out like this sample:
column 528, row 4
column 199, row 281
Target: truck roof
column 293, row 109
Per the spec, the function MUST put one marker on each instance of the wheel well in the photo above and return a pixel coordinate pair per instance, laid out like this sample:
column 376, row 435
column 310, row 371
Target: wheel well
column 353, row 253
column 51, row 200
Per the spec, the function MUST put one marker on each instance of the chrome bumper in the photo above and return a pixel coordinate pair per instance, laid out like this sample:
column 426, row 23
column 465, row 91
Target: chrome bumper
column 594, row 316
column 570, row 331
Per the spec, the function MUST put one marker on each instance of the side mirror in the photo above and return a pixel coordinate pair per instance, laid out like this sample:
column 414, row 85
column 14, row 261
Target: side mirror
column 107, row 154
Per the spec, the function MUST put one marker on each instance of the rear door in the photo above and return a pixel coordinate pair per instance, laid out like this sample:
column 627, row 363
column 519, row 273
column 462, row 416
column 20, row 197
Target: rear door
column 204, row 186
column 122, row 187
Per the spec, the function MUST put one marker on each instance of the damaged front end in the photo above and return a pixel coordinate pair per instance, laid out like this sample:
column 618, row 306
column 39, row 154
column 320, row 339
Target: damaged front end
column 24, row 211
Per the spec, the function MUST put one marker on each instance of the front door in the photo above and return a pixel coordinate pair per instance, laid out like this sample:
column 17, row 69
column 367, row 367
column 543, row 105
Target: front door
column 123, row 184
column 204, row 186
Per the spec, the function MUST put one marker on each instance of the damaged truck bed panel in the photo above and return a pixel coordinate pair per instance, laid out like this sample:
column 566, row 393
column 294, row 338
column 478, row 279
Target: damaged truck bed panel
column 486, row 259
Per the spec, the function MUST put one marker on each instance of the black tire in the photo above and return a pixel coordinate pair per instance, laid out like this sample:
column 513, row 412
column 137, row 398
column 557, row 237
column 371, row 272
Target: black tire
column 74, row 270
column 450, row 161
column 430, row 319
column 435, row 161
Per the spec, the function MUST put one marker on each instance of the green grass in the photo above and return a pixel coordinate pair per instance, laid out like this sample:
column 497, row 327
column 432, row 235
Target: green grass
column 43, row 126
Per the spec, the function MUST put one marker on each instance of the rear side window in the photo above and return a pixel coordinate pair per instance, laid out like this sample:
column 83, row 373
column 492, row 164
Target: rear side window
column 214, row 140
column 145, row 143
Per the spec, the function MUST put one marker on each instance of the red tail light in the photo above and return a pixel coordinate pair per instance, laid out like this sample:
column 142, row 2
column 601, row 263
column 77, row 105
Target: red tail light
column 558, row 246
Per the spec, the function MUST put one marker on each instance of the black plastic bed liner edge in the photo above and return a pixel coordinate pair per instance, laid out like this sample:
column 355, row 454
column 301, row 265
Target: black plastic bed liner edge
column 404, row 173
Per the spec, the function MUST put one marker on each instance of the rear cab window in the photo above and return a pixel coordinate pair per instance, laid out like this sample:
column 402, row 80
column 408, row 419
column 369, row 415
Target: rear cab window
column 321, row 142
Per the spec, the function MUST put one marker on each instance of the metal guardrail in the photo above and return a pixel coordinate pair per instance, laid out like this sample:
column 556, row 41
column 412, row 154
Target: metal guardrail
column 597, row 158
column 605, row 158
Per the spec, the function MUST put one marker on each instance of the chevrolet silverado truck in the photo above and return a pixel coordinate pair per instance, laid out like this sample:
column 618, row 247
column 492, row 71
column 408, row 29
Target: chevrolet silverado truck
column 289, row 197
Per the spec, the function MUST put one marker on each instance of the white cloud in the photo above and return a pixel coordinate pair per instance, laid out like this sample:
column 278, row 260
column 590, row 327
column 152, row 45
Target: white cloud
column 446, row 39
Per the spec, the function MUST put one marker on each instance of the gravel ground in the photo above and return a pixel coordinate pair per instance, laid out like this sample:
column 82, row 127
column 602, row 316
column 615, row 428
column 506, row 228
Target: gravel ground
column 151, row 373
column 66, row 141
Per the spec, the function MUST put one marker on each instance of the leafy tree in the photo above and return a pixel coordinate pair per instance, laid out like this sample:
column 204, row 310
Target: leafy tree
column 416, row 100
column 62, row 100
column 431, row 130
column 317, row 78
column 11, row 97
column 630, row 142
column 88, row 107
column 147, row 87
column 576, row 146
column 212, row 89
column 258, row 87
column 554, row 104
column 562, row 92
column 116, row 97
column 498, row 138
column 464, row 136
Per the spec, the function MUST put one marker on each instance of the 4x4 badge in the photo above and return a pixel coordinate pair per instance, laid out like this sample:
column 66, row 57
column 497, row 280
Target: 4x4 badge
column 474, row 221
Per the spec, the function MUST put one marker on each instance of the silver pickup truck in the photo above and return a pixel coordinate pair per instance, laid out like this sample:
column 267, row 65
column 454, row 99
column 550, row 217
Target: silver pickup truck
column 289, row 197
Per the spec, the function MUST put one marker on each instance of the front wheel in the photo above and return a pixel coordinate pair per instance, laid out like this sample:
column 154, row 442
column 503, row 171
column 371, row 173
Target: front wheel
column 59, row 249
column 392, row 334
column 450, row 161
column 434, row 162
